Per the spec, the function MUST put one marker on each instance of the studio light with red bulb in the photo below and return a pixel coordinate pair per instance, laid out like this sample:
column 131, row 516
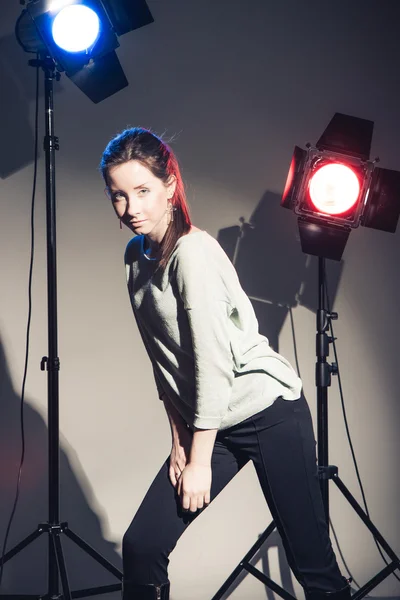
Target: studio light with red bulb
column 335, row 187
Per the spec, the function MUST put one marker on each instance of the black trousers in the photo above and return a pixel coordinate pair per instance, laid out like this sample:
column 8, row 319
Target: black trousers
column 280, row 441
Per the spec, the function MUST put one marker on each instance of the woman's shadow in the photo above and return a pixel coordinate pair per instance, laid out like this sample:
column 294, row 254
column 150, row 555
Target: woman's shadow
column 26, row 572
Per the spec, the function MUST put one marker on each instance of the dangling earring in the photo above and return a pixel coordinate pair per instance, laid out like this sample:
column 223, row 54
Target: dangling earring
column 171, row 212
column 120, row 223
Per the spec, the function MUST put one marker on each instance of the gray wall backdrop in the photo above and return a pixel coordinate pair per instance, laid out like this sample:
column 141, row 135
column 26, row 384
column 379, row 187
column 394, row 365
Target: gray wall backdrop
column 235, row 84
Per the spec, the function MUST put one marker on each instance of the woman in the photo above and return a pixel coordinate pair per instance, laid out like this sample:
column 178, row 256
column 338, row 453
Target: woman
column 229, row 397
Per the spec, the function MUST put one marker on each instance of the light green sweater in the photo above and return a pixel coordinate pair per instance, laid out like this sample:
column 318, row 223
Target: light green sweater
column 201, row 334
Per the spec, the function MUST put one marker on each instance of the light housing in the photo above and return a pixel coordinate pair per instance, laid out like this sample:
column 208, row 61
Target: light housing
column 96, row 69
column 372, row 195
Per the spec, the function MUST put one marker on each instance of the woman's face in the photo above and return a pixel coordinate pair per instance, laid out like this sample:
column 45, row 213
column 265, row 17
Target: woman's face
column 140, row 199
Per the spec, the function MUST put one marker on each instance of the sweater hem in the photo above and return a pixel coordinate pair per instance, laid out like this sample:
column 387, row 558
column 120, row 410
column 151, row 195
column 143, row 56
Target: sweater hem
column 207, row 422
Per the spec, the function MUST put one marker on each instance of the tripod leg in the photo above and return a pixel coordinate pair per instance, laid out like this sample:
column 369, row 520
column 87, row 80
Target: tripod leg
column 61, row 565
column 53, row 578
column 364, row 517
column 25, row 542
column 395, row 564
column 92, row 552
column 244, row 563
column 376, row 580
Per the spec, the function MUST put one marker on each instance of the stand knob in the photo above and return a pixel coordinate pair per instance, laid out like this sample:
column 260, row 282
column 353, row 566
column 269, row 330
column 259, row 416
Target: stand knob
column 334, row 368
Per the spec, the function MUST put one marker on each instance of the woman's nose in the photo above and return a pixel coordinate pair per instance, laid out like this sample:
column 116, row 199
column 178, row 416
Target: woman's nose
column 133, row 206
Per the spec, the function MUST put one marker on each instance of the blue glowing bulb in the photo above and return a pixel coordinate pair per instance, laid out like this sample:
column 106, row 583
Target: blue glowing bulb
column 76, row 28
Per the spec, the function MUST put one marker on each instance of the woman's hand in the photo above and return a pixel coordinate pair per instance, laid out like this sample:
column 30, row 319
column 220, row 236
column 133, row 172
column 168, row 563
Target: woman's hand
column 181, row 444
column 194, row 486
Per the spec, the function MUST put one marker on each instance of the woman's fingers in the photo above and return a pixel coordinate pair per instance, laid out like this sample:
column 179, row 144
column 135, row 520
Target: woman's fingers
column 193, row 503
column 194, row 487
column 176, row 466
column 172, row 477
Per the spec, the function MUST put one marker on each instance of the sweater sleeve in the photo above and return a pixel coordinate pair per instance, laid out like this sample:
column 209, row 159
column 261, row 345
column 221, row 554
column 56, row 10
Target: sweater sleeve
column 202, row 290
column 131, row 255
column 160, row 389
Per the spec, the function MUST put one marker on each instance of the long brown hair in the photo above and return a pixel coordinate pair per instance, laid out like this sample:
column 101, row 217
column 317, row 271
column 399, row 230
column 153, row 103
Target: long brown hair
column 151, row 151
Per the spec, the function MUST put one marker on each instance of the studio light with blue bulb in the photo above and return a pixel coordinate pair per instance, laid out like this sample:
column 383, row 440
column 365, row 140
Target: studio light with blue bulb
column 81, row 37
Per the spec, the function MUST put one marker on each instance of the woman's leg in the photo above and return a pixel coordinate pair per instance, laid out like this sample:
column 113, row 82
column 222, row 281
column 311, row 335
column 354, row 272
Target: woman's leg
column 280, row 441
column 160, row 521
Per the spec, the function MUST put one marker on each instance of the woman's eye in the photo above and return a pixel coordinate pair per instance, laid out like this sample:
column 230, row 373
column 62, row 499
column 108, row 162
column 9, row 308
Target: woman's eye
column 118, row 197
column 145, row 190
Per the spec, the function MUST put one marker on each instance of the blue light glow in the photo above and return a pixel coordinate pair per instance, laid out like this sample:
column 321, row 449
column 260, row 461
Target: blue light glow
column 76, row 28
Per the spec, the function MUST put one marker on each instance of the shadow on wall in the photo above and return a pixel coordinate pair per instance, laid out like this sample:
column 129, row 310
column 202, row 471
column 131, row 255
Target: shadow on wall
column 277, row 276
column 273, row 542
column 26, row 573
column 18, row 90
column 272, row 269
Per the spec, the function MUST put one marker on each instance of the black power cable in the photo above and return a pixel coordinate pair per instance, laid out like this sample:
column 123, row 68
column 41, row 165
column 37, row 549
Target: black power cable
column 346, row 422
column 28, row 328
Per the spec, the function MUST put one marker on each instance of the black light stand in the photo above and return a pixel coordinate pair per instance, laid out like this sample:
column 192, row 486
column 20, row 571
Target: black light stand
column 56, row 563
column 325, row 471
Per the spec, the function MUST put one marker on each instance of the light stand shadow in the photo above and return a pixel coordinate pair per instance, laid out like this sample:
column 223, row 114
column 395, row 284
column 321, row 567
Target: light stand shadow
column 26, row 573
column 272, row 269
column 18, row 92
column 273, row 542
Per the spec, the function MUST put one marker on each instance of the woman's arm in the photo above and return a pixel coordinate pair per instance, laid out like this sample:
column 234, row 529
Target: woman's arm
column 194, row 485
column 177, row 423
column 181, row 441
column 203, row 439
column 202, row 446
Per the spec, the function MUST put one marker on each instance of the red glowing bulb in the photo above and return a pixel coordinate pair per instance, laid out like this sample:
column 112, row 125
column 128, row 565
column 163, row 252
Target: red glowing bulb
column 334, row 189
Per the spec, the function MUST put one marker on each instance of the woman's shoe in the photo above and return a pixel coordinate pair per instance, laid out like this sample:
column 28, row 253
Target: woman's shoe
column 135, row 591
column 342, row 594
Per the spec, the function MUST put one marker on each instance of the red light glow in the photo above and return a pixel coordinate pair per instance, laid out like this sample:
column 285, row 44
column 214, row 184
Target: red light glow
column 334, row 189
column 289, row 179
